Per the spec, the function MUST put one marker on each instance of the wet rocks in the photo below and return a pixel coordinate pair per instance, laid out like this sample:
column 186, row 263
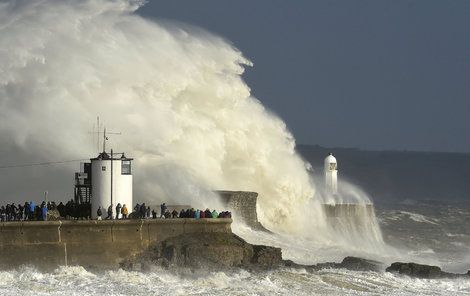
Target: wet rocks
column 422, row 271
column 350, row 263
column 225, row 251
column 208, row 251
column 360, row 264
column 266, row 257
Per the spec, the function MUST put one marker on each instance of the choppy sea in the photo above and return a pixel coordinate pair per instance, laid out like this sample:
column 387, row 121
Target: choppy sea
column 428, row 232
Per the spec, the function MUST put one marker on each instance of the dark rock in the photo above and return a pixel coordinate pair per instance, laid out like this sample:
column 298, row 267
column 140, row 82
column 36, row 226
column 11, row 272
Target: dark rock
column 350, row 263
column 208, row 251
column 222, row 251
column 421, row 271
column 265, row 256
column 360, row 264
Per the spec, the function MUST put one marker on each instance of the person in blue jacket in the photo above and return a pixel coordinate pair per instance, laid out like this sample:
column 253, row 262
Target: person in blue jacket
column 44, row 213
column 32, row 207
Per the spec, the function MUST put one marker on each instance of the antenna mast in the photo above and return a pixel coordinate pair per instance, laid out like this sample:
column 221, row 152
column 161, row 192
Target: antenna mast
column 105, row 138
column 105, row 135
column 98, row 129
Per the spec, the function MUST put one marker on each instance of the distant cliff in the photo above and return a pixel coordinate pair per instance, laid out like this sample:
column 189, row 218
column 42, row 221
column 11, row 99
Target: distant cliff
column 398, row 175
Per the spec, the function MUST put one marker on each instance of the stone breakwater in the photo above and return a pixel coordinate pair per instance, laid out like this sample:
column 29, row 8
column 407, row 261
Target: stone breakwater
column 225, row 251
column 191, row 244
column 91, row 243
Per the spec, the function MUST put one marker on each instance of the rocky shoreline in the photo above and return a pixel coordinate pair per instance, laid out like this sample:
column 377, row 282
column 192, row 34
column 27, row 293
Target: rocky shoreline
column 227, row 251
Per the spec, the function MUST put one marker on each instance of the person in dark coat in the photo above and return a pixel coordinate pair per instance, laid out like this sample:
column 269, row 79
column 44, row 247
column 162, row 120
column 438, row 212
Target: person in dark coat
column 14, row 211
column 162, row 210
column 110, row 212
column 154, row 214
column 61, row 209
column 167, row 214
column 174, row 214
column 20, row 212
column 143, row 210
column 208, row 213
column 147, row 213
column 137, row 208
column 2, row 214
column 118, row 210
column 99, row 213
column 27, row 211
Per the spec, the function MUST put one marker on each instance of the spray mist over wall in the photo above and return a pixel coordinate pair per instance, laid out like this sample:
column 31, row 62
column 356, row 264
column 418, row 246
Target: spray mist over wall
column 175, row 93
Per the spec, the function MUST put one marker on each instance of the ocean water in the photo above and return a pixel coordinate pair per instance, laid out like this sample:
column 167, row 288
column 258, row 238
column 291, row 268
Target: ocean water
column 78, row 281
column 429, row 232
column 426, row 233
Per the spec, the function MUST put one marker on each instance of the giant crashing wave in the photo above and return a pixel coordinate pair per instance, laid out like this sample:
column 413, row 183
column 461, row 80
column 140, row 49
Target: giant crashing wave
column 174, row 91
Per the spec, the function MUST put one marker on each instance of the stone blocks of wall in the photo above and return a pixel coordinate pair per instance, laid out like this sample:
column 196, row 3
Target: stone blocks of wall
column 92, row 244
column 243, row 205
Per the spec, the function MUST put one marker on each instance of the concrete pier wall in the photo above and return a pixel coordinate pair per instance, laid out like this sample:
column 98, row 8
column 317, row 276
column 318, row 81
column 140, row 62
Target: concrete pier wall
column 243, row 205
column 92, row 244
column 348, row 210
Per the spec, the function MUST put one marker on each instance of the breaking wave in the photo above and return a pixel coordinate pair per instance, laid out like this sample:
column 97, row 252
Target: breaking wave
column 79, row 281
column 177, row 95
column 175, row 92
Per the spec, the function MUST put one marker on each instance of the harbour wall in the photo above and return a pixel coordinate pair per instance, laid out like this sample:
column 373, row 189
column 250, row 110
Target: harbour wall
column 243, row 204
column 91, row 243
column 348, row 210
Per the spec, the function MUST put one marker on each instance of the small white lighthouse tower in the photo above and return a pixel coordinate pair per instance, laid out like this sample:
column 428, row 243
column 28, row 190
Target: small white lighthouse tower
column 111, row 182
column 331, row 174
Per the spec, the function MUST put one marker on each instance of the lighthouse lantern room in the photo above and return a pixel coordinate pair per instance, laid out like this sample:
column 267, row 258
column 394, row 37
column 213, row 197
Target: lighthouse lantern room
column 331, row 174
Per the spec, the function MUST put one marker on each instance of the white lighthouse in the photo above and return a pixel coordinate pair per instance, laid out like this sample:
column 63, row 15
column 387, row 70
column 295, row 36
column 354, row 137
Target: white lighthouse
column 331, row 174
column 111, row 182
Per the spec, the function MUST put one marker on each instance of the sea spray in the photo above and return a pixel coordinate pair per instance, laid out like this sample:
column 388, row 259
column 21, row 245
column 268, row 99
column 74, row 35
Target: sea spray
column 174, row 92
column 79, row 281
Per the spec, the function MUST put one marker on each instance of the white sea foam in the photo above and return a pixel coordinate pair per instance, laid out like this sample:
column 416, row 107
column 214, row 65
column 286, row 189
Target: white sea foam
column 77, row 281
column 418, row 217
column 176, row 94
column 188, row 119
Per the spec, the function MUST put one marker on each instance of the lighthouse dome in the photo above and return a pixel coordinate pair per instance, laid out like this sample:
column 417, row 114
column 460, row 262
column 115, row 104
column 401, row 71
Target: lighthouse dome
column 330, row 162
column 330, row 159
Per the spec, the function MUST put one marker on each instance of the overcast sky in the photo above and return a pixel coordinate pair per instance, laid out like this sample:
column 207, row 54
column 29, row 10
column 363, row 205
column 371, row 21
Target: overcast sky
column 368, row 74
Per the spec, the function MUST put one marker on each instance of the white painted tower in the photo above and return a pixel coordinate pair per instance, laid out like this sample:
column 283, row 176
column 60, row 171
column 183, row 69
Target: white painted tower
column 331, row 174
column 111, row 182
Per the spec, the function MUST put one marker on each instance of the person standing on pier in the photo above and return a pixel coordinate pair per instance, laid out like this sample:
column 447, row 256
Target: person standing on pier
column 118, row 210
column 124, row 211
column 162, row 210
column 99, row 213
column 44, row 211
column 110, row 212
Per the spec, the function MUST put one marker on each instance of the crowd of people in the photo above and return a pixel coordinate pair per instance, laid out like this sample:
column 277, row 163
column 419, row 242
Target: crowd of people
column 29, row 211
column 141, row 211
